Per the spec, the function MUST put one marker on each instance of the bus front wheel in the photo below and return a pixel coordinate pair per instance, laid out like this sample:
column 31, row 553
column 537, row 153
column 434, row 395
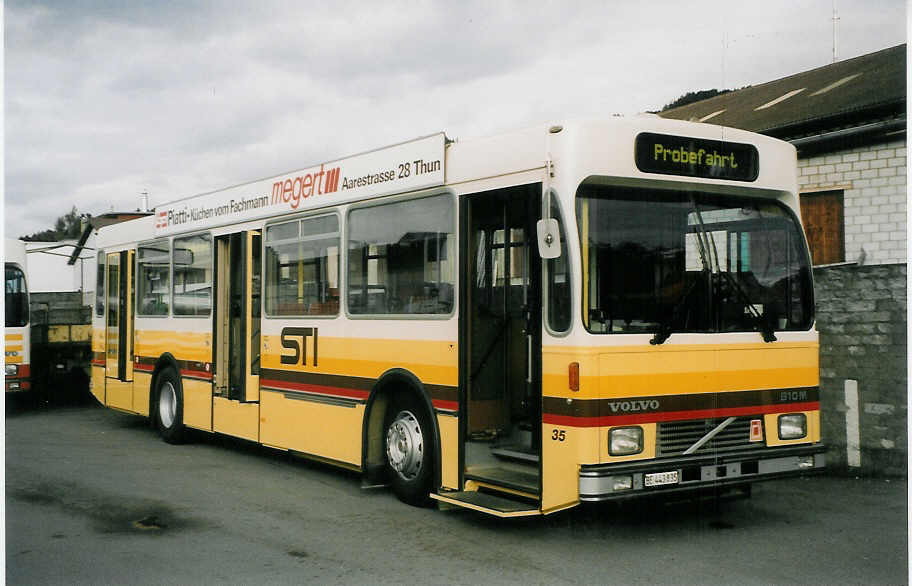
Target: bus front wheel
column 409, row 456
column 169, row 407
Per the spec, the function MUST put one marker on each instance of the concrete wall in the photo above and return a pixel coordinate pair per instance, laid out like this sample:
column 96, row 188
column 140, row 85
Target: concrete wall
column 861, row 309
column 873, row 179
column 861, row 317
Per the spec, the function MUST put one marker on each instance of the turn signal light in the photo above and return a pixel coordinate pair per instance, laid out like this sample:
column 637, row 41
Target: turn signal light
column 574, row 376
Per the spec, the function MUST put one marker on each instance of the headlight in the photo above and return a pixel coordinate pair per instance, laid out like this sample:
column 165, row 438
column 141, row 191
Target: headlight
column 12, row 369
column 792, row 426
column 624, row 441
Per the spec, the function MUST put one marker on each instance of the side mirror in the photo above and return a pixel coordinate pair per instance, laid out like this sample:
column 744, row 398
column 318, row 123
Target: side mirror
column 549, row 245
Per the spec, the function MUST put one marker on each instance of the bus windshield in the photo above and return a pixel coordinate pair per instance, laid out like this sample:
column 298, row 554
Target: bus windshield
column 674, row 261
column 16, row 297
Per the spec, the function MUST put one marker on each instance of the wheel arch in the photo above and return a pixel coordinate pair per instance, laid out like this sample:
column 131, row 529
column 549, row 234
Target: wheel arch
column 164, row 361
column 391, row 383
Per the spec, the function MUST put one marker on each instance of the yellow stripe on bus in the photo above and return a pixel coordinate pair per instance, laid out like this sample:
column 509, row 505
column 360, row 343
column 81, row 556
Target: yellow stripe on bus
column 98, row 341
column 433, row 362
column 643, row 371
column 193, row 346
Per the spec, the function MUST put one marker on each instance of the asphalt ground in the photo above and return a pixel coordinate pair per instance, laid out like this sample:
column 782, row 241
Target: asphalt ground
column 94, row 497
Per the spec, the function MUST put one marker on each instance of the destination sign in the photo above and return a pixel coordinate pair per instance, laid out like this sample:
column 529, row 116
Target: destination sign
column 696, row 157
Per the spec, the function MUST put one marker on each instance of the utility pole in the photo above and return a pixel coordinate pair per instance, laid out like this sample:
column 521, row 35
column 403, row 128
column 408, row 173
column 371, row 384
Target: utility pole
column 835, row 18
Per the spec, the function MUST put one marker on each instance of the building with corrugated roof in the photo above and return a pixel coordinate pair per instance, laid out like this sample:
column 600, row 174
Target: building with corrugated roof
column 848, row 123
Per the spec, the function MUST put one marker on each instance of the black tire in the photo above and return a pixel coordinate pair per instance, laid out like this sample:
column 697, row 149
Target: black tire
column 408, row 443
column 169, row 407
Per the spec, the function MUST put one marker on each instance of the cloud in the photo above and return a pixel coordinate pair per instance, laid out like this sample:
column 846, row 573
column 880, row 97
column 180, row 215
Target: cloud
column 105, row 100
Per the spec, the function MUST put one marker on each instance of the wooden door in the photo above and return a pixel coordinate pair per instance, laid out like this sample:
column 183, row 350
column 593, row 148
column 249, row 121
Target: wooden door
column 822, row 216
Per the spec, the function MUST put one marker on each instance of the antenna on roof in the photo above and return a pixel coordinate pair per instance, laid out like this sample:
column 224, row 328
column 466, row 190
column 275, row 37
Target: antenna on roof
column 835, row 18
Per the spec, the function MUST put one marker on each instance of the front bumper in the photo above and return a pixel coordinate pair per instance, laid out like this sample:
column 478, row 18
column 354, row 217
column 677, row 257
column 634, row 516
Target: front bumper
column 600, row 482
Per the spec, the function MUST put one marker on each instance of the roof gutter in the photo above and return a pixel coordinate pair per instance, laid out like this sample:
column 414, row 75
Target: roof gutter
column 849, row 133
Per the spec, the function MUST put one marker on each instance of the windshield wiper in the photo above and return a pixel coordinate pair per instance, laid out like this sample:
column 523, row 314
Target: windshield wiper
column 665, row 328
column 705, row 240
column 764, row 326
column 664, row 331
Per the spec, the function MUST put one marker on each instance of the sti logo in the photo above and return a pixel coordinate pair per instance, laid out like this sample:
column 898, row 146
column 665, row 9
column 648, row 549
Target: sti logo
column 161, row 220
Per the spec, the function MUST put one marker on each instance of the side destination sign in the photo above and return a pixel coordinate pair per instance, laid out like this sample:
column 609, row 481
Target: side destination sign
column 416, row 164
column 696, row 157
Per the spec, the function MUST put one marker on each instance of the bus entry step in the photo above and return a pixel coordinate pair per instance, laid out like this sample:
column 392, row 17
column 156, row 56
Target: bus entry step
column 487, row 503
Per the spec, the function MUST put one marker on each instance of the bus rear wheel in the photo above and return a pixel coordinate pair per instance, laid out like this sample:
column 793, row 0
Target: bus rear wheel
column 409, row 457
column 169, row 407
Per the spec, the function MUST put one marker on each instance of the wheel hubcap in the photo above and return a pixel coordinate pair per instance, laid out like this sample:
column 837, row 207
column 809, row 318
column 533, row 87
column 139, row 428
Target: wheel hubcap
column 167, row 404
column 405, row 445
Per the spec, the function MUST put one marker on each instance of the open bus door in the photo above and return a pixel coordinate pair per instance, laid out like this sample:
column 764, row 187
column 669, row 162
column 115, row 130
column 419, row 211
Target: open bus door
column 236, row 384
column 500, row 333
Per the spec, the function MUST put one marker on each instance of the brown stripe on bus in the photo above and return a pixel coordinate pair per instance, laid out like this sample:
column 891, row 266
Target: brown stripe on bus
column 683, row 402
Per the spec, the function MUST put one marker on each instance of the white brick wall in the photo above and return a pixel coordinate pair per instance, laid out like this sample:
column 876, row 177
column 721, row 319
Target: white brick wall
column 874, row 182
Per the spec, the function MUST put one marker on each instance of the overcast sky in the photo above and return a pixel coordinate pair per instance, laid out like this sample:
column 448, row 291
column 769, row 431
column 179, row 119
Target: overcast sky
column 105, row 100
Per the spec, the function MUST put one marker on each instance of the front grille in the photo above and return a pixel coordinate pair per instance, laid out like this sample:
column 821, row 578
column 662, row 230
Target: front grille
column 674, row 437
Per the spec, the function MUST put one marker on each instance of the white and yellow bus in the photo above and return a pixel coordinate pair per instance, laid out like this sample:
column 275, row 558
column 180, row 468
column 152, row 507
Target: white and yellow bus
column 16, row 338
column 515, row 324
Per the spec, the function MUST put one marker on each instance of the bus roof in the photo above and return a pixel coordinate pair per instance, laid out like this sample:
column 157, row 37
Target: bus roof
column 602, row 147
column 14, row 251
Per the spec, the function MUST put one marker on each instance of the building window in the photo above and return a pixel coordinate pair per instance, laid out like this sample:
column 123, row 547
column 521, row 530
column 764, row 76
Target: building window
column 823, row 219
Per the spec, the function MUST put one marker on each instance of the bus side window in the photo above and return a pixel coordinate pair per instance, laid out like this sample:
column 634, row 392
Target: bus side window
column 191, row 288
column 153, row 282
column 100, row 285
column 559, row 292
column 302, row 267
column 402, row 257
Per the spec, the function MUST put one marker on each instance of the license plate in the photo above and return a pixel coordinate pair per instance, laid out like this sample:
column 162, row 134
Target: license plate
column 661, row 478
